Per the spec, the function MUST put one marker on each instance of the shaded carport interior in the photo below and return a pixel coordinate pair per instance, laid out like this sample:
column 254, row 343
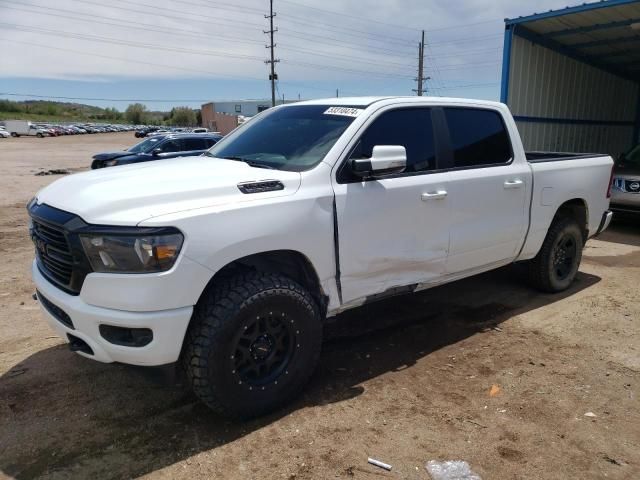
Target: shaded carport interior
column 572, row 77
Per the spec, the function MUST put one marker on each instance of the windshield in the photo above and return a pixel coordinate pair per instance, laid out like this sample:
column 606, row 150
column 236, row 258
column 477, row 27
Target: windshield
column 293, row 138
column 146, row 145
column 632, row 157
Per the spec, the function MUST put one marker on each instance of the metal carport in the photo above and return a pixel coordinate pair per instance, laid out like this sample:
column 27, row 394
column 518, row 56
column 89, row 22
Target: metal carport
column 571, row 77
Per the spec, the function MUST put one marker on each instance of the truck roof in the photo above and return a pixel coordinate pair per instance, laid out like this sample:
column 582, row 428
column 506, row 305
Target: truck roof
column 366, row 101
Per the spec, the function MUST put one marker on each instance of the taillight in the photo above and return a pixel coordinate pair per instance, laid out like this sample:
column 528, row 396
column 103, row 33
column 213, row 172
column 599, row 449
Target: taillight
column 610, row 184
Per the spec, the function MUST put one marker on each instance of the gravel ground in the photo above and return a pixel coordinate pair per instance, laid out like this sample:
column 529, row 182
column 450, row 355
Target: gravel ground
column 484, row 370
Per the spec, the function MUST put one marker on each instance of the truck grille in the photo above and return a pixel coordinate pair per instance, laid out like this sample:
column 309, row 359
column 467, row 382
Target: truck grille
column 632, row 186
column 59, row 253
column 53, row 252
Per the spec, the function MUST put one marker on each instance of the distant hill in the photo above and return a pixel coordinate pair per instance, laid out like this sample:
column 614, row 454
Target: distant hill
column 47, row 111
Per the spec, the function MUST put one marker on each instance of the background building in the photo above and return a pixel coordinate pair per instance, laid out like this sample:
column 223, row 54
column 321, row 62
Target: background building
column 572, row 77
column 223, row 116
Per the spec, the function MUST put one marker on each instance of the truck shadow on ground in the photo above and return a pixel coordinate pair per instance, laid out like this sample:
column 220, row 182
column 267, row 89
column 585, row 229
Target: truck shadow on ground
column 624, row 229
column 63, row 415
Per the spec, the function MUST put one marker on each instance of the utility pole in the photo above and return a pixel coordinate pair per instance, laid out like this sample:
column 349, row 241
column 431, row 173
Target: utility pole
column 337, row 93
column 420, row 78
column 272, row 76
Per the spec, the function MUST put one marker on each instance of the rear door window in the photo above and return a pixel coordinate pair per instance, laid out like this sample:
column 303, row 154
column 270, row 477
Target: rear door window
column 194, row 144
column 169, row 146
column 478, row 137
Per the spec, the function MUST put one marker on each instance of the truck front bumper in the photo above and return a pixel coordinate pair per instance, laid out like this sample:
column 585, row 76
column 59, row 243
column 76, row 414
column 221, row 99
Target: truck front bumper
column 80, row 324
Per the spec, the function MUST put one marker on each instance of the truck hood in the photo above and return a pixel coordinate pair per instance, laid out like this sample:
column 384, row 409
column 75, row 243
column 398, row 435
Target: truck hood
column 127, row 195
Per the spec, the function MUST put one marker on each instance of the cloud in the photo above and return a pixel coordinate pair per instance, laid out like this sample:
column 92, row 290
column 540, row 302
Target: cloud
column 365, row 42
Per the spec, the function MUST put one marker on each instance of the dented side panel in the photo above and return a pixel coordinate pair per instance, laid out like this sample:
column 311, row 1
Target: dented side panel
column 389, row 236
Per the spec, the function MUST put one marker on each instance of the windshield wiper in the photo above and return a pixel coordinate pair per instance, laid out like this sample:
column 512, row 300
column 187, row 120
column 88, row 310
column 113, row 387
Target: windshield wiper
column 251, row 163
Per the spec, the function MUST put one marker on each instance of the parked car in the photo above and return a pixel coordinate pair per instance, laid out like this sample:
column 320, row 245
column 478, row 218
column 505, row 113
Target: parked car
column 159, row 132
column 59, row 130
column 231, row 262
column 23, row 127
column 625, row 196
column 200, row 130
column 4, row 133
column 158, row 147
column 143, row 132
column 50, row 131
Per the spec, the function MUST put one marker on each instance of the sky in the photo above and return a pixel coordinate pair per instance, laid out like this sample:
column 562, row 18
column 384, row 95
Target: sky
column 167, row 53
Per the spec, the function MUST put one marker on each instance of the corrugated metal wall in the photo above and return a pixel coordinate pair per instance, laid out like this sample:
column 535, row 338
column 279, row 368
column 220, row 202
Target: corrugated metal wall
column 547, row 84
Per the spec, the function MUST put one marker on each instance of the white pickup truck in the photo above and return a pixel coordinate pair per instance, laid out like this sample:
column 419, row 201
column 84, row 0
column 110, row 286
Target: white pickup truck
column 230, row 263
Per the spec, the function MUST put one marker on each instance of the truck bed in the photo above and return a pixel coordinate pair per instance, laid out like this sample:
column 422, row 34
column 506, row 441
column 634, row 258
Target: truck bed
column 536, row 157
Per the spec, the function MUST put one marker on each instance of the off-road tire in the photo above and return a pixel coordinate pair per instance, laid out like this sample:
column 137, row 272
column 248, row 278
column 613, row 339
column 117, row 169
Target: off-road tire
column 39, row 135
column 212, row 350
column 543, row 270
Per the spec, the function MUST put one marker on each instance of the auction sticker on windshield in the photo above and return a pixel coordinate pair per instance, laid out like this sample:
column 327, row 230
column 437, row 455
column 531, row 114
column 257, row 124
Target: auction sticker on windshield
column 344, row 111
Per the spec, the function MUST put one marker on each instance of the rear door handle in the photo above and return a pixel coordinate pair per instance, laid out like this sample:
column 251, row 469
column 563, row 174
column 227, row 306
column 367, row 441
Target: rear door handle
column 439, row 195
column 513, row 184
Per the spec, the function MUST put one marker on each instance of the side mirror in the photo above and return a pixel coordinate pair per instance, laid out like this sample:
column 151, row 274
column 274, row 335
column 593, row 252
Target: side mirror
column 385, row 160
column 156, row 151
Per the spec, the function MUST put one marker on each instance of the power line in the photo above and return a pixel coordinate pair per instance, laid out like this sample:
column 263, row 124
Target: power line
column 386, row 39
column 293, row 34
column 392, row 25
column 172, row 67
column 100, row 39
column 472, row 85
column 153, row 11
column 333, row 42
column 298, row 19
column 135, row 25
column 290, row 32
column 304, row 34
column 375, row 37
column 347, row 70
column 129, row 43
column 338, row 56
column 156, row 100
column 127, row 60
column 188, row 33
column 173, row 10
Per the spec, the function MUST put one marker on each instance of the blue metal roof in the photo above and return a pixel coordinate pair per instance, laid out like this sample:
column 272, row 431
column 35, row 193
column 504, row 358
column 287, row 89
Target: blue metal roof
column 604, row 34
column 585, row 7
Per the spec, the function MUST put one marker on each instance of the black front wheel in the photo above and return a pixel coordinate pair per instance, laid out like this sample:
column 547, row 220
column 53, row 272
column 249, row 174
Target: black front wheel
column 254, row 342
column 556, row 265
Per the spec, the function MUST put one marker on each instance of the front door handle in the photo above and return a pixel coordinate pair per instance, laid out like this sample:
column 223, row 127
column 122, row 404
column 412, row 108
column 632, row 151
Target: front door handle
column 513, row 184
column 439, row 195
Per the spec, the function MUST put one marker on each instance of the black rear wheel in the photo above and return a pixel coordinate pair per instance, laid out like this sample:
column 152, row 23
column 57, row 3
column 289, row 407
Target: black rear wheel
column 253, row 344
column 556, row 265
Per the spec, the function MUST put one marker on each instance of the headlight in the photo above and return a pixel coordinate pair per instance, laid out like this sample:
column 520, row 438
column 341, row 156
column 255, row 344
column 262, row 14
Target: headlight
column 110, row 163
column 132, row 253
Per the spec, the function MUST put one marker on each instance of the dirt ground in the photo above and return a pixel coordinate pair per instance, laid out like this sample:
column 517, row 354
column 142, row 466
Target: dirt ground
column 405, row 381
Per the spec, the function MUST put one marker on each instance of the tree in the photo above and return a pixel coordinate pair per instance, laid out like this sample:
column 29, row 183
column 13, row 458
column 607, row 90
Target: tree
column 183, row 116
column 136, row 113
column 112, row 114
